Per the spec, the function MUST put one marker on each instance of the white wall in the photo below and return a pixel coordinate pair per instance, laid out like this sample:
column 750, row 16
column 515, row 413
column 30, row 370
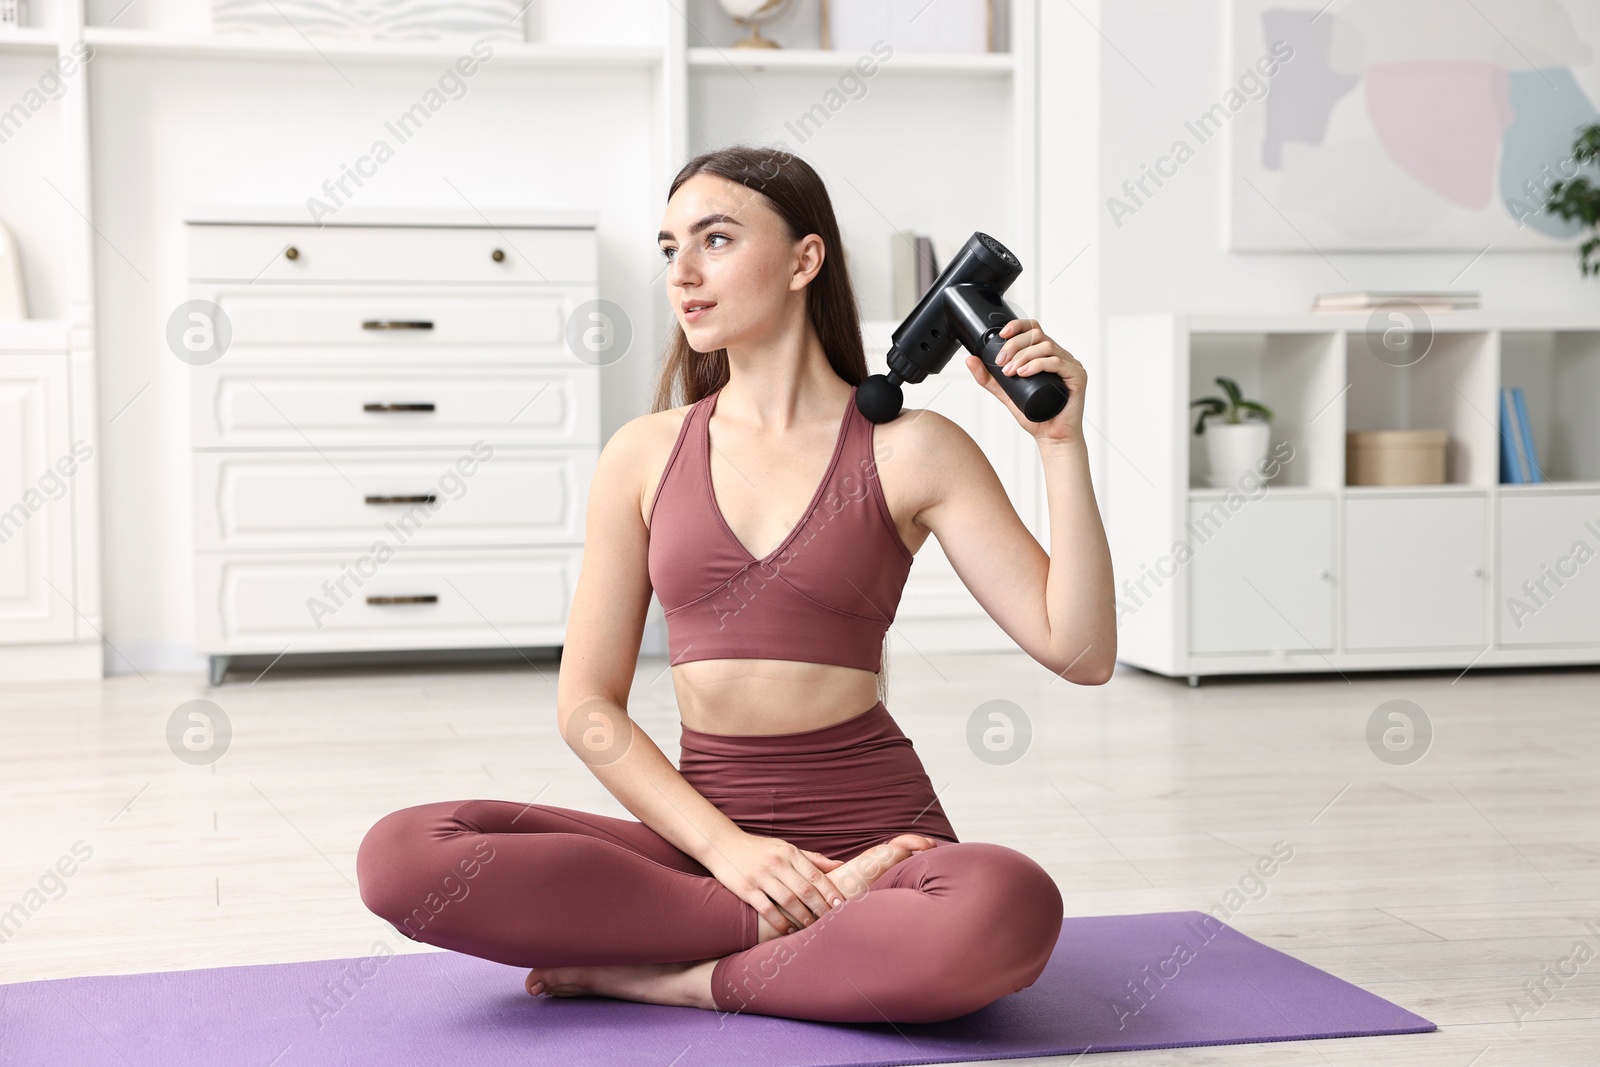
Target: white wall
column 1169, row 256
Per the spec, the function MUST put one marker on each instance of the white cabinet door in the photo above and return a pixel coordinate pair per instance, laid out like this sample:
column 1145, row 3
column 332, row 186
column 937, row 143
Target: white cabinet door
column 1548, row 583
column 259, row 253
column 235, row 404
column 292, row 500
column 1260, row 580
column 36, row 468
column 1414, row 571
column 414, row 598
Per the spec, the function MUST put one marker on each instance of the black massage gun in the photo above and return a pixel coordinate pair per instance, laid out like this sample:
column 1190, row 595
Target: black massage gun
column 964, row 305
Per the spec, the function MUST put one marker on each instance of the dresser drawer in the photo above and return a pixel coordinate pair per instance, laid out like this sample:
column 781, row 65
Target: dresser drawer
column 260, row 253
column 239, row 405
column 364, row 322
column 477, row 496
column 418, row 598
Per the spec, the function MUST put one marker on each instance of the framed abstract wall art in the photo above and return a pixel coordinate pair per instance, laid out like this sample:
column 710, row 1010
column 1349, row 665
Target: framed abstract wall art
column 1413, row 125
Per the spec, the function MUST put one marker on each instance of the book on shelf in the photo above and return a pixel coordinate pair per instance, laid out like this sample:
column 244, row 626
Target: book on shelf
column 913, row 268
column 1368, row 300
column 1519, row 459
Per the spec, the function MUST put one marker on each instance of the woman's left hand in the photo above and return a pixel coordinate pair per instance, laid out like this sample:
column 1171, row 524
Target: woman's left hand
column 1029, row 350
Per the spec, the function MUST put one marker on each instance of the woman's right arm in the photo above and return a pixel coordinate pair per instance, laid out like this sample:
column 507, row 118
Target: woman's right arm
column 598, row 662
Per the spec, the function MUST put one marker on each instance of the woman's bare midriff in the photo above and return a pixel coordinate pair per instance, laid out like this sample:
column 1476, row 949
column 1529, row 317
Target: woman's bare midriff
column 769, row 696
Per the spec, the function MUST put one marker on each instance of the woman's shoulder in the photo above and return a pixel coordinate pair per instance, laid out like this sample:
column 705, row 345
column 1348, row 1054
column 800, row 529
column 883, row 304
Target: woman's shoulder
column 922, row 457
column 642, row 445
column 644, row 435
column 923, row 433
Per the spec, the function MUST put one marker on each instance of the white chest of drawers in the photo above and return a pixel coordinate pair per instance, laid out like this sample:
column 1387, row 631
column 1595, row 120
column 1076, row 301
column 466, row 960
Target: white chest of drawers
column 394, row 449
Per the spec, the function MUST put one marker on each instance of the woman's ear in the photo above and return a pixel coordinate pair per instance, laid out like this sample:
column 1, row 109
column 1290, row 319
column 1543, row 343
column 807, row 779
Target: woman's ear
column 810, row 254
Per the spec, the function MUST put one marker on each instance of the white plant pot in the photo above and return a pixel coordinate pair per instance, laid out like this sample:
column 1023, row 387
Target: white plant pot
column 1234, row 449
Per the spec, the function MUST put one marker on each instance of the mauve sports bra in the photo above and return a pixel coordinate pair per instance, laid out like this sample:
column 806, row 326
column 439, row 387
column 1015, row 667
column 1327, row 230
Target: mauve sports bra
column 826, row 594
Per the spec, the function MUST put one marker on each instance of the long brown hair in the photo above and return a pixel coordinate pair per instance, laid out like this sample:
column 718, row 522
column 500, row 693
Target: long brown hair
column 795, row 191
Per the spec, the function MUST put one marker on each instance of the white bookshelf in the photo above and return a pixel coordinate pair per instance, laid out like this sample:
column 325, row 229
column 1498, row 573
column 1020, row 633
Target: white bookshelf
column 1305, row 573
column 51, row 621
column 696, row 94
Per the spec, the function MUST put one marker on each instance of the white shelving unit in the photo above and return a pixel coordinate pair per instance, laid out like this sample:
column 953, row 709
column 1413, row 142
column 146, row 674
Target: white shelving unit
column 1299, row 572
column 697, row 97
column 50, row 610
column 160, row 45
column 830, row 61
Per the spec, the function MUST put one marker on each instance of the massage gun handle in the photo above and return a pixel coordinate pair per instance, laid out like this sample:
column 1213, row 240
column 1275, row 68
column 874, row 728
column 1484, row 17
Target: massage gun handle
column 1040, row 396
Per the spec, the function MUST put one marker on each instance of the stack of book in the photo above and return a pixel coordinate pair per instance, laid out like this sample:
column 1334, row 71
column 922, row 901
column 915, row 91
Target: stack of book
column 1427, row 300
column 1519, row 460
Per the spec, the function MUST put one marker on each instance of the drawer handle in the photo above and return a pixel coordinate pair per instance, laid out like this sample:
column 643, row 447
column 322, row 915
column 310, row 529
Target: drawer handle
column 397, row 407
column 498, row 255
column 420, row 498
column 397, row 324
column 291, row 252
column 425, row 598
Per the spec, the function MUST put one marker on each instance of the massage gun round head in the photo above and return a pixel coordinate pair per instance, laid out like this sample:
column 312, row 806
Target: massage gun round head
column 878, row 398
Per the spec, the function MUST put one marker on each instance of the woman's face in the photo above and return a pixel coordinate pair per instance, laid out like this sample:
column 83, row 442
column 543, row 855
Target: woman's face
column 725, row 246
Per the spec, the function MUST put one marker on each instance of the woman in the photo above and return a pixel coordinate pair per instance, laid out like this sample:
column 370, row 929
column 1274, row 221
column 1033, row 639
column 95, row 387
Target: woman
column 798, row 862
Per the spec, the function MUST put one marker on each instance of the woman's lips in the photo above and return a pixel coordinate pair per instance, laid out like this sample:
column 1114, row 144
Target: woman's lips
column 697, row 313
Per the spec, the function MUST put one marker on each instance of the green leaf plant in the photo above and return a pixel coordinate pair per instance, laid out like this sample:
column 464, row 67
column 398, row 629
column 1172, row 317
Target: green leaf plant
column 1235, row 408
column 1578, row 198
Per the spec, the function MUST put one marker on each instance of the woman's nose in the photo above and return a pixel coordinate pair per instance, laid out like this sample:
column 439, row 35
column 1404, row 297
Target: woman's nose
column 681, row 270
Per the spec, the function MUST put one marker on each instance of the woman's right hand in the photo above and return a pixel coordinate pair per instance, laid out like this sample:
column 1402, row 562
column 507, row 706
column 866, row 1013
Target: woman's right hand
column 786, row 884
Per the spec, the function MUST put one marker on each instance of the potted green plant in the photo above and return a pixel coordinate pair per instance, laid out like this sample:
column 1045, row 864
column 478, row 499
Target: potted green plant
column 1239, row 442
column 1577, row 198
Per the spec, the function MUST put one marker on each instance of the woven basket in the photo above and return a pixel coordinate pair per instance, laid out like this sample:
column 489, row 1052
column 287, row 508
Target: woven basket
column 1395, row 457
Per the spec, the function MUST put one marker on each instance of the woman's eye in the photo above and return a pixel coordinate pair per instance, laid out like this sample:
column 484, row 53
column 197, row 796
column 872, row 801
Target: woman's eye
column 666, row 253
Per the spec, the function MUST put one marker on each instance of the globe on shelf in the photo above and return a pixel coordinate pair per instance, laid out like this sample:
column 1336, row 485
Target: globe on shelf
column 751, row 14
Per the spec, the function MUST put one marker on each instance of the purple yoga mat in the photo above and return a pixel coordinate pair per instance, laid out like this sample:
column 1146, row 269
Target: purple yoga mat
column 1203, row 983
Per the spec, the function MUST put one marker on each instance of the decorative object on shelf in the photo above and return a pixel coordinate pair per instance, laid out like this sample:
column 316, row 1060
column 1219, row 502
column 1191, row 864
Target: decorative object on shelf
column 927, row 264
column 912, row 268
column 13, row 299
column 1397, row 126
column 1424, row 299
column 1519, row 459
column 1578, row 198
column 1395, row 457
column 13, row 15
column 1237, row 445
column 751, row 14
column 909, row 25
column 421, row 20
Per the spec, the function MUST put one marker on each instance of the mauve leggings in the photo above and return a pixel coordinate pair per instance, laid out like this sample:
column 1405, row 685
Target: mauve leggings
column 936, row 936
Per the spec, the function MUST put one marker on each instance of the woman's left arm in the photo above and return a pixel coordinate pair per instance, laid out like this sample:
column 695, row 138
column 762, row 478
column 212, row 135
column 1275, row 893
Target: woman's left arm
column 1059, row 608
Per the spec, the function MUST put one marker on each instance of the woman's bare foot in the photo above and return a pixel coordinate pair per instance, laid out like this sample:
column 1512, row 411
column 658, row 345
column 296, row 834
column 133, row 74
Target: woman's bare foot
column 686, row 984
column 855, row 874
column 860, row 871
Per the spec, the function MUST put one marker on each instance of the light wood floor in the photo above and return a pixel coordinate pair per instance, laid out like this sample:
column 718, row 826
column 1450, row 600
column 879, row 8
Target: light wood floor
column 1443, row 885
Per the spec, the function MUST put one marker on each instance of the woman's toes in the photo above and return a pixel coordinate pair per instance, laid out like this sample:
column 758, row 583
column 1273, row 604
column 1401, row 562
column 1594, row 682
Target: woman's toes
column 546, row 982
column 915, row 842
